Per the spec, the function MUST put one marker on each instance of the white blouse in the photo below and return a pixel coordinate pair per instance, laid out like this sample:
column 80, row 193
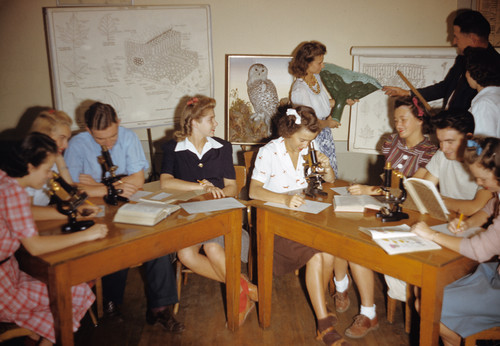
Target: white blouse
column 274, row 168
column 302, row 95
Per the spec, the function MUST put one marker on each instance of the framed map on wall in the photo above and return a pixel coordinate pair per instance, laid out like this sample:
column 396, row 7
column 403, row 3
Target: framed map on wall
column 142, row 60
column 372, row 116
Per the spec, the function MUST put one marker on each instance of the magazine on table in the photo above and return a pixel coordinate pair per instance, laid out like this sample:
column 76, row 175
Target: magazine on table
column 399, row 239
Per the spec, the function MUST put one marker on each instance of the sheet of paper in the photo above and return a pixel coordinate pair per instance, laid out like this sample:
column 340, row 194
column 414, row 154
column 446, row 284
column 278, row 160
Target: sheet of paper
column 161, row 196
column 311, row 207
column 388, row 231
column 341, row 190
column 211, row 205
column 443, row 228
column 139, row 194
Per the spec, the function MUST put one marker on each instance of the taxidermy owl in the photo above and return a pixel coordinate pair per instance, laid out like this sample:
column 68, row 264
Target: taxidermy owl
column 262, row 94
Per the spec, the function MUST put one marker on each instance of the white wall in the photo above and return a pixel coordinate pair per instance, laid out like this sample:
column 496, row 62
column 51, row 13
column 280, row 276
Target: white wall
column 238, row 27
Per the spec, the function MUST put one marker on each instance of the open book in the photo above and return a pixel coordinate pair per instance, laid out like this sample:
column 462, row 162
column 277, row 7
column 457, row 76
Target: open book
column 162, row 197
column 356, row 203
column 146, row 214
column 423, row 196
column 398, row 239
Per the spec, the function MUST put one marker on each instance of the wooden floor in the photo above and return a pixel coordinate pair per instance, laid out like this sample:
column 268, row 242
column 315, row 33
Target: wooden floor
column 202, row 311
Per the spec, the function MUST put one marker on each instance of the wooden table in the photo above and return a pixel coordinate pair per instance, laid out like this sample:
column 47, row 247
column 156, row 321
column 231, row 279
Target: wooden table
column 338, row 234
column 129, row 245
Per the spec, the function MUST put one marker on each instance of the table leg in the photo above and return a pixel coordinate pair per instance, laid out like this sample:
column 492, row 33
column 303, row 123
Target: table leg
column 265, row 251
column 430, row 308
column 61, row 305
column 232, row 243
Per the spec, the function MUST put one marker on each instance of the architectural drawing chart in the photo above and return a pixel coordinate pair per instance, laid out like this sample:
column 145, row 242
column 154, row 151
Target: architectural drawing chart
column 371, row 118
column 141, row 60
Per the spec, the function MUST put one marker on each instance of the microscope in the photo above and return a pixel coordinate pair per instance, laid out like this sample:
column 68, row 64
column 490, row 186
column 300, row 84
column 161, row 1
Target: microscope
column 112, row 197
column 395, row 210
column 313, row 172
column 68, row 199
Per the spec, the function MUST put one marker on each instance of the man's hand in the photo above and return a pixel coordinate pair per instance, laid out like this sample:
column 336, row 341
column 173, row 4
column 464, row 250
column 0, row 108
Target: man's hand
column 395, row 91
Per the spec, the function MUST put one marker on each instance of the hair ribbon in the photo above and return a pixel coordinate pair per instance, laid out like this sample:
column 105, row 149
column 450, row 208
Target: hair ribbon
column 473, row 144
column 192, row 101
column 419, row 109
column 291, row 111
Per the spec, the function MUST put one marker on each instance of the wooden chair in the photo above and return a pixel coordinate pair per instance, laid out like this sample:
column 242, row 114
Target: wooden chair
column 391, row 308
column 181, row 271
column 10, row 331
column 488, row 334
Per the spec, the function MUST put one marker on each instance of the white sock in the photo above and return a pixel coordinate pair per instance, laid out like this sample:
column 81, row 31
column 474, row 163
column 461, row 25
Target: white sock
column 368, row 311
column 341, row 285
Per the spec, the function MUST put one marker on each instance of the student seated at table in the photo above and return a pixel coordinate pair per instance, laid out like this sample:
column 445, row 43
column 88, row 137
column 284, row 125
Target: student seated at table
column 278, row 173
column 195, row 160
column 471, row 304
column 57, row 125
column 25, row 300
column 126, row 152
column 483, row 74
column 447, row 170
column 408, row 151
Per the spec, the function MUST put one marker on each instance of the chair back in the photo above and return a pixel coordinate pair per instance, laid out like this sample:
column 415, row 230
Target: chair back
column 241, row 177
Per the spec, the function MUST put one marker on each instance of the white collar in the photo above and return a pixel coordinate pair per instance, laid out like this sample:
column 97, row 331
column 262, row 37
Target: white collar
column 187, row 145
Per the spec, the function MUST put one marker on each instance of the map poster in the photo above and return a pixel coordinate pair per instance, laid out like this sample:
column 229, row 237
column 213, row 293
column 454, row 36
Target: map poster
column 142, row 60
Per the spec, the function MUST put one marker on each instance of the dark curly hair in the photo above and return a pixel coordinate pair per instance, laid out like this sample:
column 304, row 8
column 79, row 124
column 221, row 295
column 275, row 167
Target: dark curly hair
column 34, row 149
column 303, row 55
column 460, row 120
column 483, row 66
column 486, row 152
column 417, row 109
column 286, row 123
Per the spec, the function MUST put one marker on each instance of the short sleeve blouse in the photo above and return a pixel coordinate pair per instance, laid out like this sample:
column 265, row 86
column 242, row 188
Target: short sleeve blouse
column 274, row 168
column 214, row 165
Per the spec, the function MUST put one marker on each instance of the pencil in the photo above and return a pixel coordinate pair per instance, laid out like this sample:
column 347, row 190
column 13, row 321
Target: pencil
column 89, row 202
column 460, row 220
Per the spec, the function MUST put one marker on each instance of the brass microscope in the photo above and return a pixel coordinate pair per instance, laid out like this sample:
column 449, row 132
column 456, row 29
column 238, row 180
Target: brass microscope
column 394, row 194
column 109, row 177
column 68, row 198
column 313, row 172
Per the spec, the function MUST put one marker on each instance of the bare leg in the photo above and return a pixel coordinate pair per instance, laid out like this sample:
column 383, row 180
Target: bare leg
column 318, row 268
column 365, row 280
column 45, row 342
column 217, row 258
column 200, row 264
column 449, row 337
column 340, row 268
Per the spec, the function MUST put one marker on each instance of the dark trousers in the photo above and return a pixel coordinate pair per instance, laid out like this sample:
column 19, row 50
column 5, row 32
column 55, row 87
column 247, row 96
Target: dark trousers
column 161, row 288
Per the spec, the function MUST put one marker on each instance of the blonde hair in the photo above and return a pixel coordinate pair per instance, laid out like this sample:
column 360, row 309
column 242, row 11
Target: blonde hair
column 193, row 110
column 47, row 120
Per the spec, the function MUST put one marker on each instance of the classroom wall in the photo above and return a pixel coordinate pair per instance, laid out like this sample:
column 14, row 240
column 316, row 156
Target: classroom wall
column 238, row 27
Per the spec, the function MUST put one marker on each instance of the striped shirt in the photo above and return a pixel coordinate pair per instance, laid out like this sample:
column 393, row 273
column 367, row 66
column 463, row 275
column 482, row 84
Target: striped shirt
column 404, row 159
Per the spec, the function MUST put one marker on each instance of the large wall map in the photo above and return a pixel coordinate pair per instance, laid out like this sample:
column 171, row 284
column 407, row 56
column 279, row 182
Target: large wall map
column 141, row 60
column 372, row 116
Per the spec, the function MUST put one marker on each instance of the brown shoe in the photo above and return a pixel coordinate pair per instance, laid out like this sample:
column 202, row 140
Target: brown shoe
column 342, row 301
column 361, row 326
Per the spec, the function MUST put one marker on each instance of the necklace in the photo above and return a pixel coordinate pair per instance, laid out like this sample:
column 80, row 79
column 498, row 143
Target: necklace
column 314, row 85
